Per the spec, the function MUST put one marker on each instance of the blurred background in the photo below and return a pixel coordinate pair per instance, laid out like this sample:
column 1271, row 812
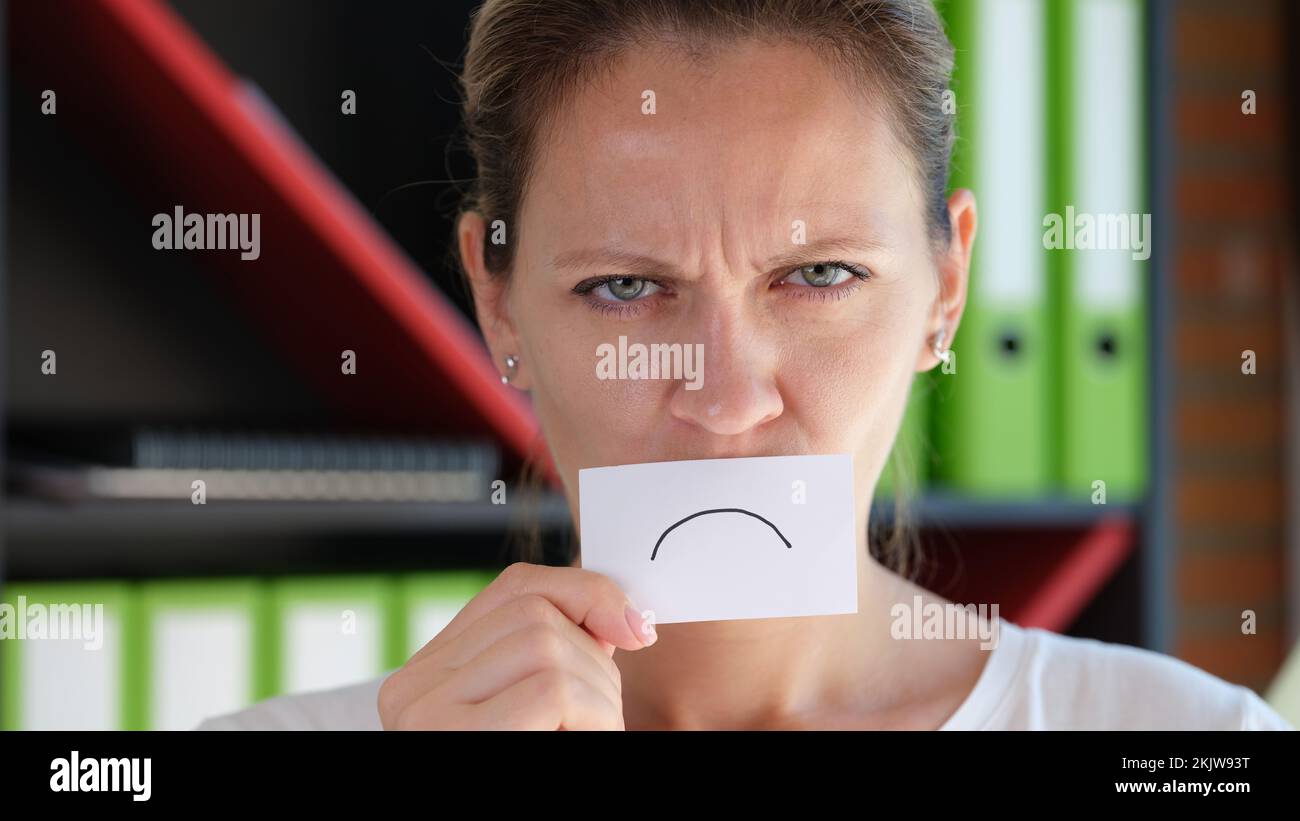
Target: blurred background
column 1114, row 457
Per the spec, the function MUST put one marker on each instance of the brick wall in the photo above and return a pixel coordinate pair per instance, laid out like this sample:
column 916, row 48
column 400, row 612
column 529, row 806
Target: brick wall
column 1233, row 245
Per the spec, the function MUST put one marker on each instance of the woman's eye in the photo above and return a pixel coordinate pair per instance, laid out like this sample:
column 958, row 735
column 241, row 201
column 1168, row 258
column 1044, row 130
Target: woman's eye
column 626, row 289
column 821, row 275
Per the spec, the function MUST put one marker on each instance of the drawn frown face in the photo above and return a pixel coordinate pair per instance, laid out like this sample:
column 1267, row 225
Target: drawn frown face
column 713, row 512
column 678, row 227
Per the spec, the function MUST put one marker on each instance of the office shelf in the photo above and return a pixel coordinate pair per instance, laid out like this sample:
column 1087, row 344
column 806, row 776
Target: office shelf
column 1056, row 558
column 155, row 104
column 1040, row 579
column 42, row 521
column 33, row 519
column 940, row 509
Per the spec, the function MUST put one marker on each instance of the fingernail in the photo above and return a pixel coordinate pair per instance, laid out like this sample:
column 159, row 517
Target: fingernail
column 643, row 628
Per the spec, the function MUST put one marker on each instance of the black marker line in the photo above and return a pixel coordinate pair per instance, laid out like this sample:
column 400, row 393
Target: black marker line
column 717, row 510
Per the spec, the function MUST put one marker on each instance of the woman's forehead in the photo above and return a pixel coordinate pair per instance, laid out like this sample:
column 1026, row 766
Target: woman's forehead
column 761, row 135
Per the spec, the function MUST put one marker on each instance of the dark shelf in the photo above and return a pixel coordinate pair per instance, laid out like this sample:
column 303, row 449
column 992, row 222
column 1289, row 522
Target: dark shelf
column 1044, row 559
column 946, row 509
column 30, row 519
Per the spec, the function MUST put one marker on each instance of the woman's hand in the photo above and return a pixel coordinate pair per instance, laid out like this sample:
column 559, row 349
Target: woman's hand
column 533, row 650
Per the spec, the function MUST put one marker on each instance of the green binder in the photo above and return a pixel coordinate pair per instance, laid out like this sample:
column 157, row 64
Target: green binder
column 992, row 422
column 328, row 631
column 429, row 601
column 202, row 652
column 1098, row 115
column 67, row 659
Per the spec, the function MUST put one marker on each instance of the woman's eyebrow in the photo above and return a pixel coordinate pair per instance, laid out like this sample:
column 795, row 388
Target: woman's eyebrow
column 634, row 265
column 639, row 265
column 821, row 250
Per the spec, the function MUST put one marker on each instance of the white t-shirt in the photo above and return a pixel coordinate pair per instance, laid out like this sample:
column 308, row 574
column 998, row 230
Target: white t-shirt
column 1033, row 680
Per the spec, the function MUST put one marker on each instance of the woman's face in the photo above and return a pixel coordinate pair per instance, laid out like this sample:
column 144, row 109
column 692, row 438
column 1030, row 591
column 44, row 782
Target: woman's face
column 763, row 214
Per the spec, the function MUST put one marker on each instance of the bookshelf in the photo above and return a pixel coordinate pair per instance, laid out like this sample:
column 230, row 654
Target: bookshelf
column 35, row 519
column 153, row 101
column 148, row 100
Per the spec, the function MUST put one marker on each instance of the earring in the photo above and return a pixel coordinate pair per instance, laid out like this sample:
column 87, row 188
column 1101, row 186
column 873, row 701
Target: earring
column 939, row 352
column 511, row 362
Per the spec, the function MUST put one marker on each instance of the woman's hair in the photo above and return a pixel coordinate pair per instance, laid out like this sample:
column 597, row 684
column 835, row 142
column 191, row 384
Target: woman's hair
column 525, row 57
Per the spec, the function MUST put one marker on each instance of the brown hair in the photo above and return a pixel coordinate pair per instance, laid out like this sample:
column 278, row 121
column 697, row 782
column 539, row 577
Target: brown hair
column 525, row 56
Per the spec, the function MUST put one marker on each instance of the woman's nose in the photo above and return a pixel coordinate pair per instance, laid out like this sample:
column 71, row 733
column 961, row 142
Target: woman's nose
column 738, row 390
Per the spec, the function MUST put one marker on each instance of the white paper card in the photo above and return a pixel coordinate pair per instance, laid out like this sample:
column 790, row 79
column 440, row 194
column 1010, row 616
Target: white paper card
column 751, row 538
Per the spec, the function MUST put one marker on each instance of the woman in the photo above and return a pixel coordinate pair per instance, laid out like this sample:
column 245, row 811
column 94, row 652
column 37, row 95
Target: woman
column 769, row 180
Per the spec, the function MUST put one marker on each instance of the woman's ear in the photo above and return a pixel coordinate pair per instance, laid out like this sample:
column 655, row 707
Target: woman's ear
column 490, row 292
column 954, row 276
